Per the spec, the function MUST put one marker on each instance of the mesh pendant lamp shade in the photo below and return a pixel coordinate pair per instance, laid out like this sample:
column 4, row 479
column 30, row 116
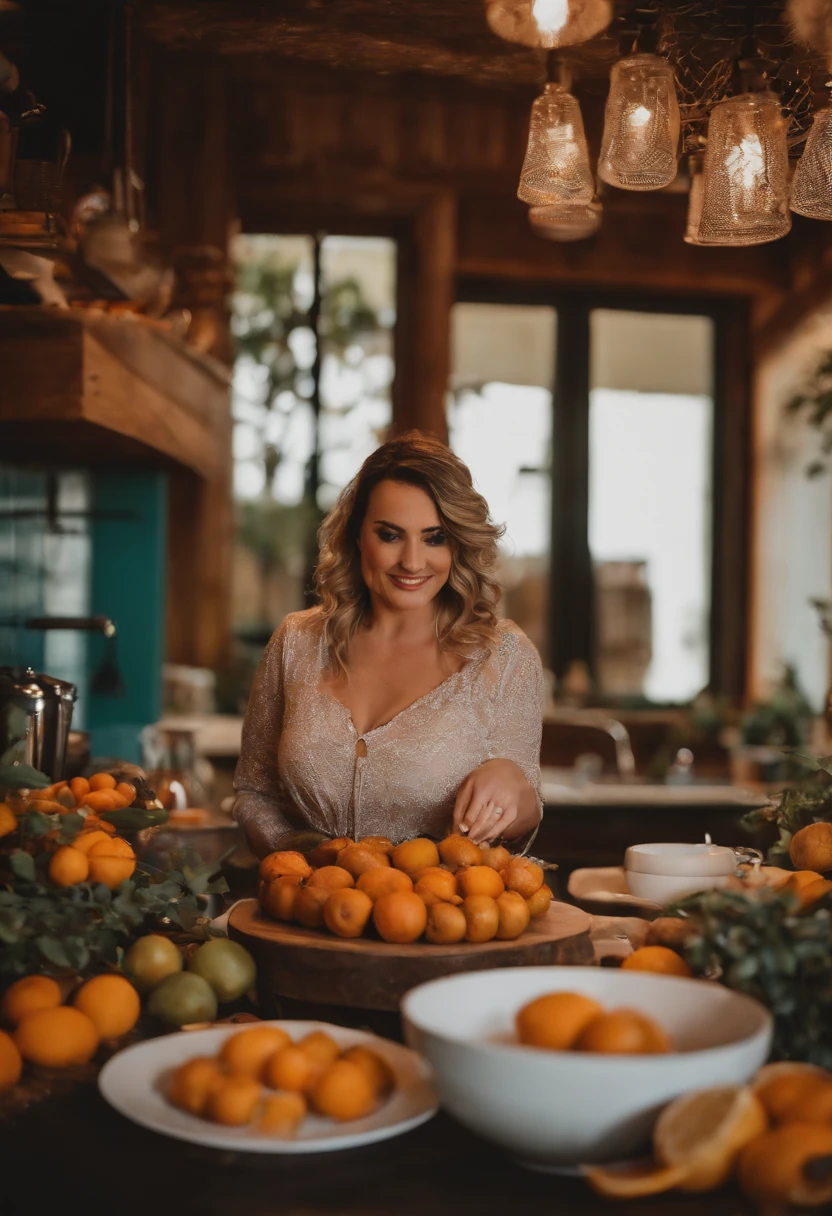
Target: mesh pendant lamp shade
column 641, row 125
column 548, row 23
column 556, row 169
column 745, row 189
column 567, row 222
column 812, row 184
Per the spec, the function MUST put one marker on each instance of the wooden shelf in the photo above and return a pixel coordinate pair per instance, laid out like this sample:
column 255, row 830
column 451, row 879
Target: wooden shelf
column 88, row 389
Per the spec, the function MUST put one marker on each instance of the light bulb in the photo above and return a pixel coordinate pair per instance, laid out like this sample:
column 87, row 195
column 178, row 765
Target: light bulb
column 556, row 168
column 548, row 23
column 641, row 125
column 745, row 184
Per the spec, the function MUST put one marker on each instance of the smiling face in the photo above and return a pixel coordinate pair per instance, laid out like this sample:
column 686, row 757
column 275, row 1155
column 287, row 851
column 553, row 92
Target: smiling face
column 405, row 556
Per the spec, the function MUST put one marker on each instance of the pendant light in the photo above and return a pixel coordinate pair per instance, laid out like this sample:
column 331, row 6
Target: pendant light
column 548, row 23
column 556, row 168
column 566, row 222
column 812, row 184
column 639, row 148
column 745, row 187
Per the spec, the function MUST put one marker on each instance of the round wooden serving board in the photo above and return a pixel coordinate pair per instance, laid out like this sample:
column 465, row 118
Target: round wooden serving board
column 364, row 973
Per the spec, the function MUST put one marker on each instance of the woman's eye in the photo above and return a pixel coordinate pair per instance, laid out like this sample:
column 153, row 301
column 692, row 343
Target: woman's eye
column 385, row 537
column 435, row 538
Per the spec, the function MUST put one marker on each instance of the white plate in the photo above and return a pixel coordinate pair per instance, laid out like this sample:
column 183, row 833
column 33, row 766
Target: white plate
column 133, row 1080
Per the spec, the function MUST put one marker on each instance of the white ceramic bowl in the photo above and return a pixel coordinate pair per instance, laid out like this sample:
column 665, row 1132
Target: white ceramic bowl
column 666, row 888
column 560, row 1109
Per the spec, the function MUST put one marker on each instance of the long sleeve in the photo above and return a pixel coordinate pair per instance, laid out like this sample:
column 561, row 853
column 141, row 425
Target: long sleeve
column 517, row 718
column 261, row 805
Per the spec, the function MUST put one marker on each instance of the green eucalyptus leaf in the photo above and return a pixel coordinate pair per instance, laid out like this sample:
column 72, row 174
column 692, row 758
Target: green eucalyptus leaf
column 23, row 866
column 35, row 824
column 52, row 949
column 22, row 777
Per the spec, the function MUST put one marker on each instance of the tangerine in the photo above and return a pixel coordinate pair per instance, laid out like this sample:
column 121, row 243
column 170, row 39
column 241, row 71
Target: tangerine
column 111, row 1003
column 382, row 844
column 278, row 896
column 320, row 1047
column 775, row 1169
column 811, row 848
column 57, row 1038
column 538, row 904
column 111, row 862
column 623, row 1032
column 480, row 880
column 375, row 1067
column 234, row 1100
column 382, row 880
column 28, row 995
column 400, row 916
column 8, row 821
column 282, row 1114
column 436, row 885
column 193, row 1083
column 446, row 924
column 68, row 866
column 102, row 781
column 11, row 1062
column 357, row 859
column 458, row 850
column 497, row 857
column 556, row 1020
column 330, row 878
column 523, row 876
column 779, row 1086
column 326, row 853
column 415, row 855
column 308, row 908
column 344, row 1092
column 346, row 912
column 80, row 788
column 659, row 959
column 292, row 1069
column 285, row 861
column 247, row 1052
column 482, row 918
column 127, row 792
column 514, row 916
column 85, row 839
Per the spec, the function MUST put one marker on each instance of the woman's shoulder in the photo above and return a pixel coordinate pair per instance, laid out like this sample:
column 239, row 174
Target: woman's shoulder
column 299, row 633
column 512, row 642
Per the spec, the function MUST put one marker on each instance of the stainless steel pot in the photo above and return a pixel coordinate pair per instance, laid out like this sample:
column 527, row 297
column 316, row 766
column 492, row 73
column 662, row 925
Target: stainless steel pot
column 35, row 718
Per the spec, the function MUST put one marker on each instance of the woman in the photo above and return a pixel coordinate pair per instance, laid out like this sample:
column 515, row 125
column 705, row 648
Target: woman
column 400, row 706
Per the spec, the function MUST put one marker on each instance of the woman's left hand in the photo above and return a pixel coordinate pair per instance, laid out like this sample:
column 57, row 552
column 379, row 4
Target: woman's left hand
column 496, row 800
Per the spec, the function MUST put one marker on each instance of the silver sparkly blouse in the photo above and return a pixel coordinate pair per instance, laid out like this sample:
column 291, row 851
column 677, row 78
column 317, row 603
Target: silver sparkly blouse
column 301, row 766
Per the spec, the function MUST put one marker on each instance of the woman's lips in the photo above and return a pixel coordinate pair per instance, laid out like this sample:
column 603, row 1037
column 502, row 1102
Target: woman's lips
column 405, row 583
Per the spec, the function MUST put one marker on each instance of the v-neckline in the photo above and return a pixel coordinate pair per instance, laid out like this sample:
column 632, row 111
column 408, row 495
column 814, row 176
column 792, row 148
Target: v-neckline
column 413, row 704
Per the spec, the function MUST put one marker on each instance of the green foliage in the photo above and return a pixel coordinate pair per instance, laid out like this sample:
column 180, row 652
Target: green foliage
column 758, row 943
column 21, row 777
column 78, row 929
column 815, row 399
column 784, row 720
column 808, row 801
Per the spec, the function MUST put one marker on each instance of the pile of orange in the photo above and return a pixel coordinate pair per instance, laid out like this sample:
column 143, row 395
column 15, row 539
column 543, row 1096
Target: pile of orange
column 100, row 792
column 774, row 1136
column 570, row 1021
column 449, row 892
column 262, row 1077
column 49, row 1034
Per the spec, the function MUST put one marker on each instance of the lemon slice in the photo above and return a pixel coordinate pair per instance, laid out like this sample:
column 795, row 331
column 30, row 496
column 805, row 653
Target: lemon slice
column 706, row 1131
column 634, row 1179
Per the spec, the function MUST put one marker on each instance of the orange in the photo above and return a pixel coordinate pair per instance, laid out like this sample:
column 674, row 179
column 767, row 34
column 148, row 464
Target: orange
column 291, row 1068
column 400, row 916
column 415, row 855
column 497, row 858
column 28, row 995
column 437, row 885
column 234, row 1101
column 482, row 918
column 634, row 1179
column 775, row 1170
column 320, row 1047
column 308, row 908
column 808, row 892
column 346, row 912
column 375, row 1067
column 357, row 859
column 68, row 866
column 623, row 1032
column 811, row 848
column 282, row 1114
column 193, row 1084
column 523, row 876
column 330, row 878
column 80, row 788
column 344, row 1092
column 556, row 1020
column 446, row 924
column 8, row 821
column 57, row 1038
column 111, row 862
column 102, row 781
column 11, row 1062
column 246, row 1052
column 781, row 1086
column 101, row 801
column 706, row 1131
column 458, row 850
column 382, row 844
column 660, row 959
column 799, row 1097
column 278, row 896
column 326, row 853
column 538, row 904
column 275, row 865
column 480, row 880
column 93, row 823
column 85, row 840
column 127, row 792
column 382, row 880
column 514, row 916
column 111, row 1003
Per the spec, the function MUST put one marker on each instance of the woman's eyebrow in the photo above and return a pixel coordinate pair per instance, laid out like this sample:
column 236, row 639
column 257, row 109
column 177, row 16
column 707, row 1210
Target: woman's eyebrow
column 385, row 523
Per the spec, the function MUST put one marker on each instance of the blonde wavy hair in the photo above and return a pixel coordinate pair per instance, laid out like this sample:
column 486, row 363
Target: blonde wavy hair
column 466, row 618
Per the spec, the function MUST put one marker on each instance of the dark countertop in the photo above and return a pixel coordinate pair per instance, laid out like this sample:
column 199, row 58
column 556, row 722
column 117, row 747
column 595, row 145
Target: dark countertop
column 72, row 1153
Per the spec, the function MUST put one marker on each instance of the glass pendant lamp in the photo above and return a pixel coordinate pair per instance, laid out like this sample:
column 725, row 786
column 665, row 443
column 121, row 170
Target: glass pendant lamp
column 745, row 188
column 812, row 184
column 548, row 23
column 556, row 169
column 566, row 222
column 640, row 144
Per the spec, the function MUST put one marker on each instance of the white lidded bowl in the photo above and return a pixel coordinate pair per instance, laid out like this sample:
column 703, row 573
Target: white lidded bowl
column 667, row 888
column 554, row 1109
